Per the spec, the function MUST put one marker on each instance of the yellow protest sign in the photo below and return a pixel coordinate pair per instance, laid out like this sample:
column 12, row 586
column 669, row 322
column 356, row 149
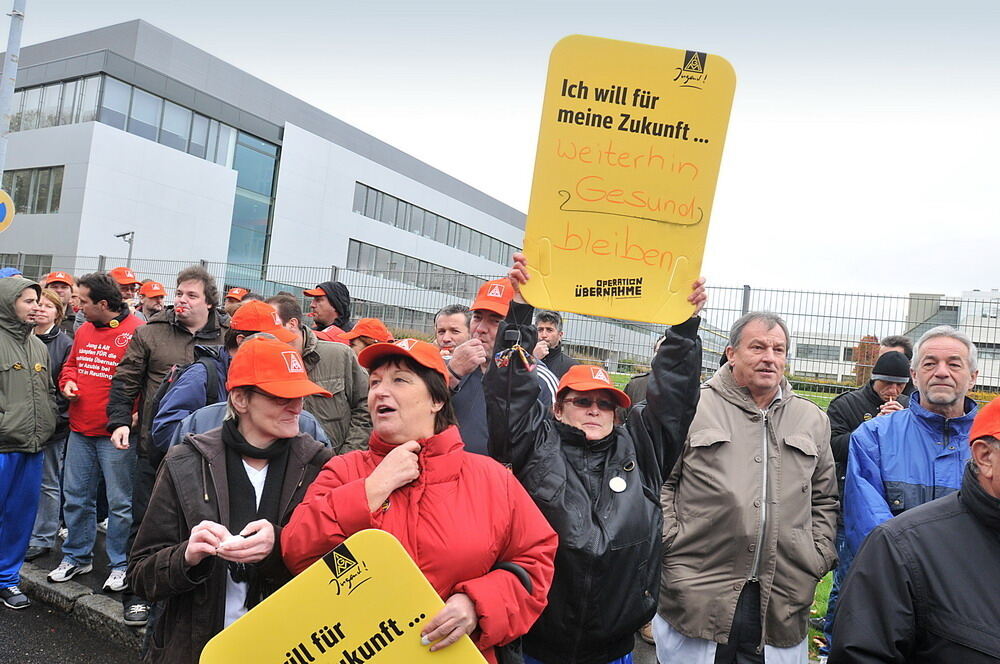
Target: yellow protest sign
column 6, row 210
column 365, row 601
column 628, row 157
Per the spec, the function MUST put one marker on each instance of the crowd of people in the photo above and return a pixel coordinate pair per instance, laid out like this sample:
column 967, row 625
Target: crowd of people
column 231, row 440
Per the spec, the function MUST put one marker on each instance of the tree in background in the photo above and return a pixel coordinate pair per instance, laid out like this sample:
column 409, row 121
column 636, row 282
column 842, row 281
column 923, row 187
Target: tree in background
column 865, row 354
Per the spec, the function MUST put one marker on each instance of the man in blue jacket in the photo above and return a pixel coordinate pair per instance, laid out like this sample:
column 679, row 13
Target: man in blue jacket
column 916, row 455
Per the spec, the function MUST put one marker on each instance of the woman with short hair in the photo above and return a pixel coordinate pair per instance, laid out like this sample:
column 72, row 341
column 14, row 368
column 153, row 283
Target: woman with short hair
column 458, row 515
column 230, row 491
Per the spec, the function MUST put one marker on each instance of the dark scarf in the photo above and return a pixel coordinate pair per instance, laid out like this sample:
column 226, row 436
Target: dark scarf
column 983, row 506
column 242, row 498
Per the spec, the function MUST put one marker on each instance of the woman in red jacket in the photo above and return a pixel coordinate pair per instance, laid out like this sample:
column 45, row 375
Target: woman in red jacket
column 457, row 514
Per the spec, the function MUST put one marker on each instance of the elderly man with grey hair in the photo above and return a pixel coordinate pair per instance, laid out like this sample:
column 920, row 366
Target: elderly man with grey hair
column 915, row 455
column 749, row 512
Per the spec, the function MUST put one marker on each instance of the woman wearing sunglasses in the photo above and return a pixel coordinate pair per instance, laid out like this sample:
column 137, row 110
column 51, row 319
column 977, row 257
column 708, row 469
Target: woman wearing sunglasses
column 597, row 484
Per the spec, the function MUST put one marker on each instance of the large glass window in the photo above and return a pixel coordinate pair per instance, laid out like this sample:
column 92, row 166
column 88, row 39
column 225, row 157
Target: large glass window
column 68, row 100
column 114, row 103
column 251, row 211
column 29, row 112
column 176, row 127
column 199, row 136
column 246, row 246
column 34, row 190
column 15, row 111
column 255, row 170
column 225, row 148
column 49, row 113
column 88, row 93
column 144, row 116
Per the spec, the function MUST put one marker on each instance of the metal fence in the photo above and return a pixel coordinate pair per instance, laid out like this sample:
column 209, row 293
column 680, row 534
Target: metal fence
column 834, row 335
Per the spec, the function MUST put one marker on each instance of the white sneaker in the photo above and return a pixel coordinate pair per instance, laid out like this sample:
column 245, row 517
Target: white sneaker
column 102, row 526
column 116, row 581
column 63, row 533
column 66, row 571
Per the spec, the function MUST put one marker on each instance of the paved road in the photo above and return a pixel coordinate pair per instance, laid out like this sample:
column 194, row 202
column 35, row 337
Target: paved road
column 39, row 635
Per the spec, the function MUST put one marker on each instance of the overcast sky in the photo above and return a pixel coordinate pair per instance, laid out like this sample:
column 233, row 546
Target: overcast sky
column 863, row 142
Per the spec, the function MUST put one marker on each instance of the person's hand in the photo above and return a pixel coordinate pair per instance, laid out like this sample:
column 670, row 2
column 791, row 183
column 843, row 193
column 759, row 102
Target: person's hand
column 458, row 617
column 468, row 357
column 541, row 350
column 890, row 406
column 252, row 545
column 518, row 275
column 398, row 468
column 70, row 390
column 119, row 438
column 205, row 538
column 698, row 296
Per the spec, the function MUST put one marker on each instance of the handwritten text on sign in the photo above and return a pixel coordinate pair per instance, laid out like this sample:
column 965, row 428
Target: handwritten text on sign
column 628, row 157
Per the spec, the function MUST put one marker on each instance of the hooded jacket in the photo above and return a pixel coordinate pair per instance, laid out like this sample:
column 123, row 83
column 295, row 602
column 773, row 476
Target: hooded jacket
column 155, row 348
column 922, row 590
column 607, row 578
column 192, row 486
column 27, row 392
column 340, row 299
column 902, row 460
column 459, row 518
column 723, row 525
column 335, row 368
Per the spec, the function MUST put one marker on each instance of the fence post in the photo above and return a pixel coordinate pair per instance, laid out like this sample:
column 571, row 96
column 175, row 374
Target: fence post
column 100, row 262
column 746, row 298
column 204, row 263
column 333, row 272
column 20, row 262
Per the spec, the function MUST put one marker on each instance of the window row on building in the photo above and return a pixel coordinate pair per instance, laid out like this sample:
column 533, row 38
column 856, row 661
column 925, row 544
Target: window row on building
column 396, row 212
column 126, row 107
column 35, row 190
column 394, row 266
column 34, row 266
column 821, row 352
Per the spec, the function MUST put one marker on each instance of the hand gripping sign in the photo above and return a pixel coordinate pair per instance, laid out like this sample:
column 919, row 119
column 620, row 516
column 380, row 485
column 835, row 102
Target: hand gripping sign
column 628, row 156
column 365, row 601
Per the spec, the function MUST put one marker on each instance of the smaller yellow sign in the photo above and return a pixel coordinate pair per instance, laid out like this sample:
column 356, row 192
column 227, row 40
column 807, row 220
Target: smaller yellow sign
column 628, row 156
column 365, row 601
column 6, row 210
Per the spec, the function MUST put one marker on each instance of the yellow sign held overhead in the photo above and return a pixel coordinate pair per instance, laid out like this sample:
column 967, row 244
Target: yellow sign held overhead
column 365, row 601
column 6, row 210
column 628, row 157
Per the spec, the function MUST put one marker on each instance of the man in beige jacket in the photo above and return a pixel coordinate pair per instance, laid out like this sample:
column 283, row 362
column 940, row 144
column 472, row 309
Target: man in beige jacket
column 749, row 512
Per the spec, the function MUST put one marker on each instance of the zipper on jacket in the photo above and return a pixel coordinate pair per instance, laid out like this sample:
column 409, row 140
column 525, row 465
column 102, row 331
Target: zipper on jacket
column 763, row 500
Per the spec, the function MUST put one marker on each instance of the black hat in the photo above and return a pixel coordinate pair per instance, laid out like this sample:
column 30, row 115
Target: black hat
column 892, row 367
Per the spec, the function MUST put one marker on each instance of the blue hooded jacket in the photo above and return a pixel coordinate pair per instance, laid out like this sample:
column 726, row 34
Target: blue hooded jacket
column 899, row 461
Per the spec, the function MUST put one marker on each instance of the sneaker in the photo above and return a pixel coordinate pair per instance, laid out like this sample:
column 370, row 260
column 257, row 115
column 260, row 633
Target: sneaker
column 116, row 581
column 646, row 633
column 35, row 552
column 102, row 526
column 817, row 623
column 63, row 533
column 136, row 613
column 13, row 598
column 66, row 571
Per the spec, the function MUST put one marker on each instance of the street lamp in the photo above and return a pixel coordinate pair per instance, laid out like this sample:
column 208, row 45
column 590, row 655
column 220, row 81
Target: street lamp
column 129, row 237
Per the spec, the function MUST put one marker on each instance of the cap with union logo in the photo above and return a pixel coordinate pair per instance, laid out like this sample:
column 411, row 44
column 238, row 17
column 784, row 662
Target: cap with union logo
column 494, row 296
column 152, row 289
column 257, row 316
column 60, row 277
column 236, row 293
column 584, row 377
column 124, row 276
column 369, row 327
column 421, row 352
column 272, row 366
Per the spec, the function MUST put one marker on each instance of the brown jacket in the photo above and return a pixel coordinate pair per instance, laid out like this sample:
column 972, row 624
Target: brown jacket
column 344, row 417
column 191, row 487
column 712, row 513
column 155, row 347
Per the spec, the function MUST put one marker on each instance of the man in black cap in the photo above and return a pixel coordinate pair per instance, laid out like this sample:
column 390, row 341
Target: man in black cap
column 882, row 395
column 331, row 307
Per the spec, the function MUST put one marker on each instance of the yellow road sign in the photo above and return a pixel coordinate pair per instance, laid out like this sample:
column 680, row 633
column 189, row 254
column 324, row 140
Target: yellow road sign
column 628, row 157
column 365, row 601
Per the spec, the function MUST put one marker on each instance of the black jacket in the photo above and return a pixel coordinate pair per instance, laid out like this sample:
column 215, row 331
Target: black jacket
column 558, row 362
column 923, row 587
column 58, row 343
column 607, row 566
column 847, row 412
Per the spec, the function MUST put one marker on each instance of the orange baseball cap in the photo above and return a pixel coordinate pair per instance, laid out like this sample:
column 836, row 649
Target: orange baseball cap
column 257, row 316
column 236, row 293
column 62, row 277
column 273, row 367
column 584, row 377
column 421, row 352
column 152, row 289
column 494, row 296
column 369, row 327
column 314, row 292
column 987, row 422
column 124, row 276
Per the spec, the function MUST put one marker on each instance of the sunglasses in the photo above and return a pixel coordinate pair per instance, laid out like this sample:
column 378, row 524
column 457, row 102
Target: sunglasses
column 280, row 401
column 587, row 402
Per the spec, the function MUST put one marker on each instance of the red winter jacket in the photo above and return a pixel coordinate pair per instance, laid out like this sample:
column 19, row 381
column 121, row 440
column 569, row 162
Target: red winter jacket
column 92, row 362
column 463, row 514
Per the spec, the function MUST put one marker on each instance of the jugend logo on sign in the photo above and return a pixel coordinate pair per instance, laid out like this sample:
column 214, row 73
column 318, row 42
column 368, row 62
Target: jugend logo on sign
column 348, row 572
column 692, row 73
